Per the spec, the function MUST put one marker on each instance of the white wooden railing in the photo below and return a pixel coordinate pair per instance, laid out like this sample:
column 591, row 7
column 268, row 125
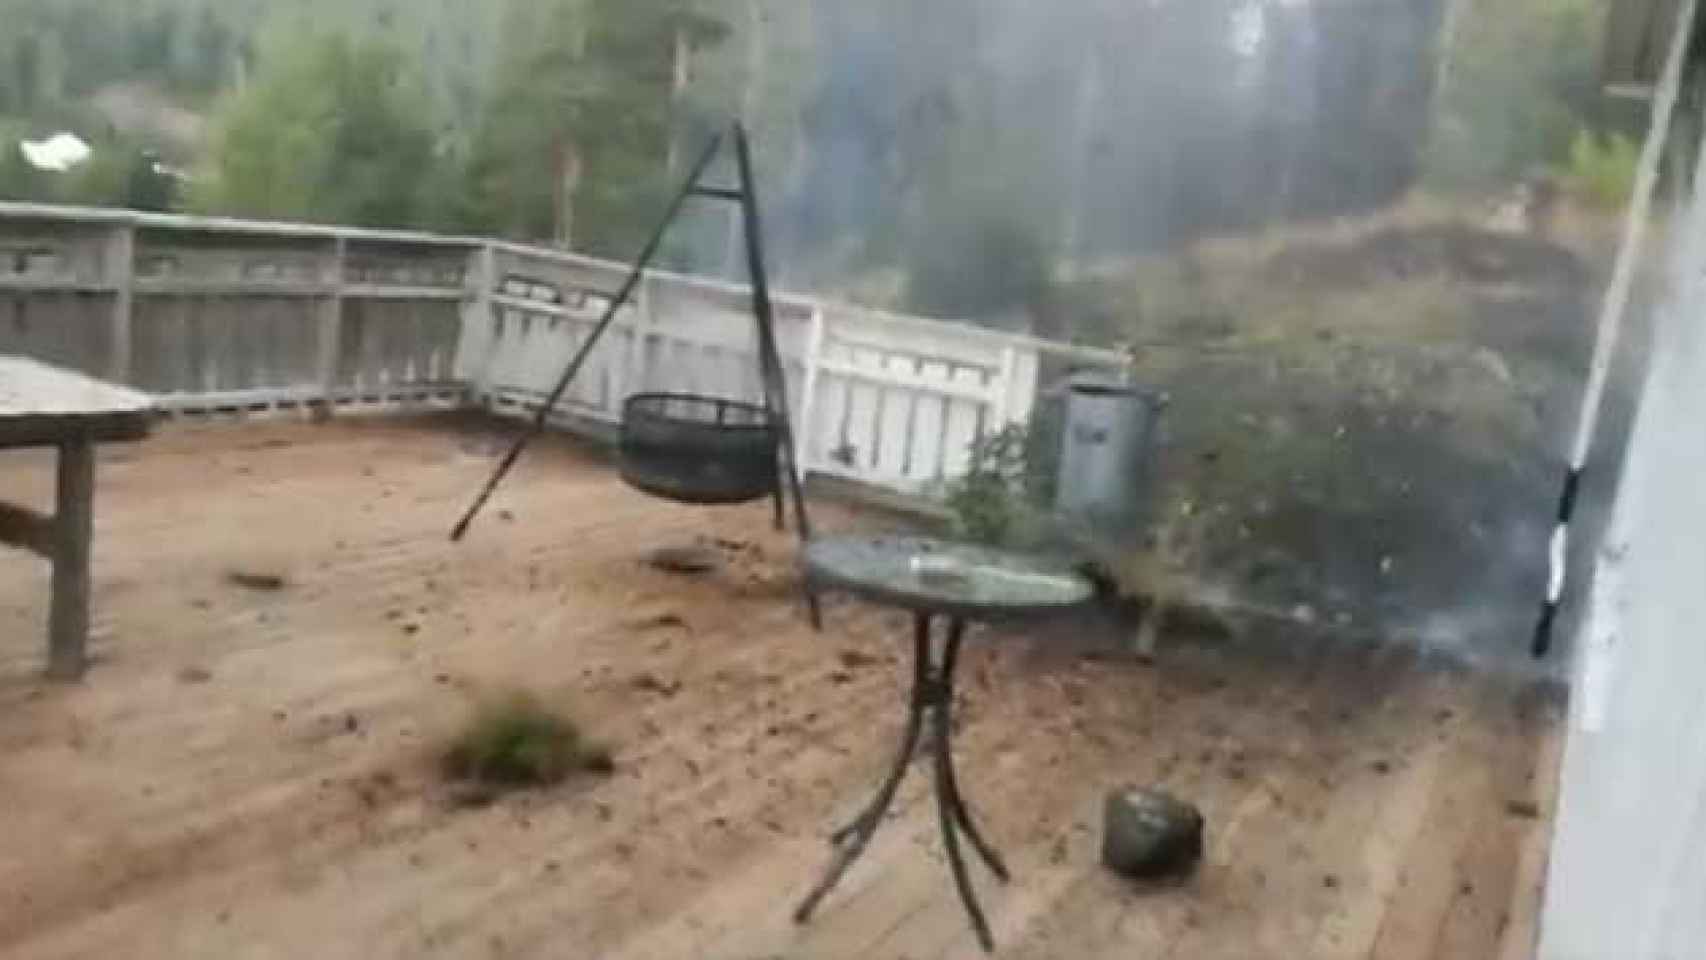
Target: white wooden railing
column 218, row 316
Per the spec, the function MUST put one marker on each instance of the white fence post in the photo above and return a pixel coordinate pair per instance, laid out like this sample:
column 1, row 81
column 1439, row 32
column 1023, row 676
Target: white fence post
column 1021, row 391
column 476, row 343
column 1003, row 388
column 634, row 378
column 805, row 451
column 120, row 269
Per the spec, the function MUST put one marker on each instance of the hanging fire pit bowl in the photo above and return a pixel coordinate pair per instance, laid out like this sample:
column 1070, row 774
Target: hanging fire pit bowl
column 698, row 449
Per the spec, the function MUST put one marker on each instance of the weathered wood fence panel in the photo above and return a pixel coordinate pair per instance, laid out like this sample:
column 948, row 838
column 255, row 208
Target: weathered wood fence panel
column 56, row 292
column 217, row 316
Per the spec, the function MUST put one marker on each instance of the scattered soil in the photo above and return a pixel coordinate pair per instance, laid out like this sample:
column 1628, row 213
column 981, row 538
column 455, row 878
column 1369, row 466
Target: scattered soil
column 648, row 683
column 688, row 560
column 856, row 660
column 296, row 806
column 256, row 579
column 195, row 675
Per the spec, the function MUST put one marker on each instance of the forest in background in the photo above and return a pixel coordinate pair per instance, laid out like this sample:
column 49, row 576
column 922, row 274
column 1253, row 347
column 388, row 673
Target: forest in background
column 984, row 144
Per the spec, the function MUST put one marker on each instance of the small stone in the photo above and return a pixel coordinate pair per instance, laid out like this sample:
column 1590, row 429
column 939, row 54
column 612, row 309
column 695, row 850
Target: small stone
column 351, row 724
column 840, row 676
column 266, row 580
column 651, row 684
column 1381, row 767
column 472, row 795
column 1525, row 809
column 855, row 659
column 1330, row 881
column 1147, row 833
column 599, row 759
column 194, row 675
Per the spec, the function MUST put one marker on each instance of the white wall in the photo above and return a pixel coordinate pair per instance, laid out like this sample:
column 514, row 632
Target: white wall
column 1627, row 878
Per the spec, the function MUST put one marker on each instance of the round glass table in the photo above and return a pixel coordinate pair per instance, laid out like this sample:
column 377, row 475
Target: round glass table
column 960, row 583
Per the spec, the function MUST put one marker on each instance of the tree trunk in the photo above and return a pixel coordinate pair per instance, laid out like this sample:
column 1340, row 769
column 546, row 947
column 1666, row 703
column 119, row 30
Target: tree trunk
column 751, row 95
column 1083, row 131
column 681, row 67
column 565, row 181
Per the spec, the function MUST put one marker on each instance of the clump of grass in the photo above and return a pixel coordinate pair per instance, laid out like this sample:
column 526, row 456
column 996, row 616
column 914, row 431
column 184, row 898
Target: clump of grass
column 516, row 740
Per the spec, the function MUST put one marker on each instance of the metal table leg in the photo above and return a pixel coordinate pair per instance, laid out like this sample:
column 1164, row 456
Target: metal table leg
column 946, row 783
column 849, row 841
column 932, row 697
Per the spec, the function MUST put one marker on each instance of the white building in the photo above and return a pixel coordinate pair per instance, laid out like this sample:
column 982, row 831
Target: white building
column 1627, row 878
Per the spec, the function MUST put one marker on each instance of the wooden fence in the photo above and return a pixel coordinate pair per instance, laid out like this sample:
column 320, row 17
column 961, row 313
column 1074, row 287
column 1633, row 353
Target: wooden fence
column 217, row 316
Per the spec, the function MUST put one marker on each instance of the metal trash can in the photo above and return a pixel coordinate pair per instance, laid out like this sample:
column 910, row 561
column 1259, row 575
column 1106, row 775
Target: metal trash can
column 1106, row 448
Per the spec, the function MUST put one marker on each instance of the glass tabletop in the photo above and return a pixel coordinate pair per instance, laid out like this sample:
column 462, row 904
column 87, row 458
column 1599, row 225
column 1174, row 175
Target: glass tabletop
column 942, row 576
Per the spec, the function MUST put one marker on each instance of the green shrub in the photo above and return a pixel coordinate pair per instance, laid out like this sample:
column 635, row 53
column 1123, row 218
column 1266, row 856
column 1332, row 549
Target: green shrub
column 1602, row 169
column 990, row 503
column 516, row 740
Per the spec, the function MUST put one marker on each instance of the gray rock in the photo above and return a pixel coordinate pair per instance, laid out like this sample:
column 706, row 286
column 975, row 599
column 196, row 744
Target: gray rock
column 1147, row 833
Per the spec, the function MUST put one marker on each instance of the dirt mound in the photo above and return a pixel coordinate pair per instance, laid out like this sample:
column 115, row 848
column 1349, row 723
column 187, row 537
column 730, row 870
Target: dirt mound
column 1455, row 251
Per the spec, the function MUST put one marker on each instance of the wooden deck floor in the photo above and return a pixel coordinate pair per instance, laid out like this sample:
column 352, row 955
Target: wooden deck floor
column 248, row 773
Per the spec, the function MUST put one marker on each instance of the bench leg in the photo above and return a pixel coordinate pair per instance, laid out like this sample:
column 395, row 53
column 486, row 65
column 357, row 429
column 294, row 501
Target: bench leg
column 68, row 621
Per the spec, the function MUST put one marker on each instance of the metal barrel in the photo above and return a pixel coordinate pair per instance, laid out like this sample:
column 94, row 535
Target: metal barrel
column 1106, row 447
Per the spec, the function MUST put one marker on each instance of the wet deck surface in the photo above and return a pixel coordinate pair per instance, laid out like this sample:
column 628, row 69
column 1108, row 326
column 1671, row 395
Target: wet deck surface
column 249, row 772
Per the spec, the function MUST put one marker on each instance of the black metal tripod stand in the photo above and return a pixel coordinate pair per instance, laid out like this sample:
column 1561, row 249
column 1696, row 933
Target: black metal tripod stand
column 770, row 373
column 932, row 698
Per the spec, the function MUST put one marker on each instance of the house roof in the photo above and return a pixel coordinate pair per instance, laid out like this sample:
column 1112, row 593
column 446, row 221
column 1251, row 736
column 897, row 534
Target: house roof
column 1637, row 38
column 57, row 153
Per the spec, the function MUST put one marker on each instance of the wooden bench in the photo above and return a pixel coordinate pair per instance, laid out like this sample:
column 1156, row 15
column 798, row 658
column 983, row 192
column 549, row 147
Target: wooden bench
column 44, row 406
